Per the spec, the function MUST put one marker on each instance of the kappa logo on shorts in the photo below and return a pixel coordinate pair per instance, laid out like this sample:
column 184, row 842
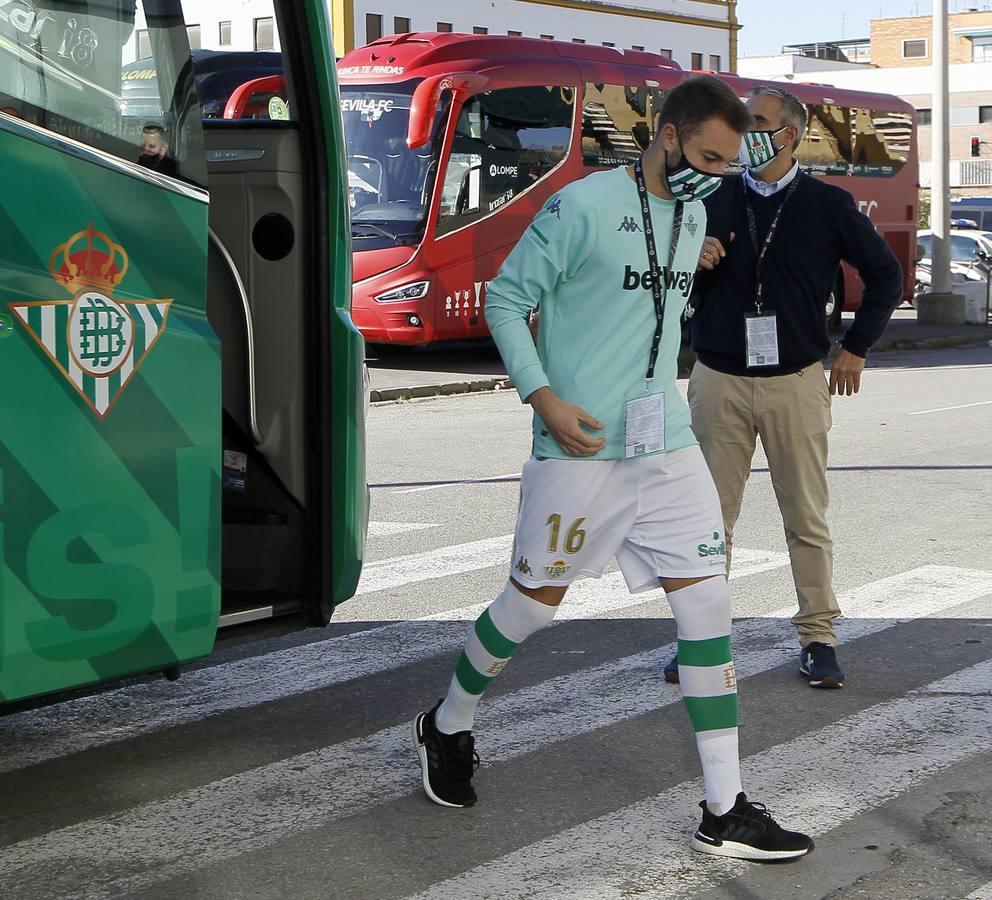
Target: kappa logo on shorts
column 718, row 550
column 523, row 567
column 558, row 568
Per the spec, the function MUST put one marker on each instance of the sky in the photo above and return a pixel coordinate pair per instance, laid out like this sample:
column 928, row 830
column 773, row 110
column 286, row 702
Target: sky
column 766, row 29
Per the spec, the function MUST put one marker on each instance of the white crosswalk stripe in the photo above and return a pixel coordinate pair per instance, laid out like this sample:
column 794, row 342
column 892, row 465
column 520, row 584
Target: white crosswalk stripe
column 642, row 850
column 983, row 893
column 55, row 731
column 135, row 849
column 388, row 529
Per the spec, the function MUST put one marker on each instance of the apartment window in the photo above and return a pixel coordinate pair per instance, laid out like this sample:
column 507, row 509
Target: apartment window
column 193, row 35
column 444, row 26
column 916, row 49
column 636, row 47
column 515, row 33
column 401, row 25
column 144, row 44
column 697, row 60
column 984, row 114
column 578, row 40
column 480, row 30
column 224, row 34
column 666, row 53
column 264, row 33
column 923, row 116
column 373, row 27
column 714, row 62
column 981, row 49
column 547, row 37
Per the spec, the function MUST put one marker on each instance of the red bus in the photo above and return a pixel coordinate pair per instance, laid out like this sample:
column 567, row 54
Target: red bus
column 455, row 141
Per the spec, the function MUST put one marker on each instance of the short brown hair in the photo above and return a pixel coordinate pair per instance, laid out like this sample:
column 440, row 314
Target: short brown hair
column 700, row 98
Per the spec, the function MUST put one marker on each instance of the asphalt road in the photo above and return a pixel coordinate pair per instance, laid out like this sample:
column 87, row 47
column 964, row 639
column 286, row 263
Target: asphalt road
column 283, row 768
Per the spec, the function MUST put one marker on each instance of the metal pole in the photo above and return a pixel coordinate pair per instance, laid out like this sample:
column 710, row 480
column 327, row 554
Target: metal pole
column 940, row 213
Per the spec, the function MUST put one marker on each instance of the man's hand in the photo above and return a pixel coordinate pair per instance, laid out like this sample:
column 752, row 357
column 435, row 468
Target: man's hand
column 712, row 253
column 845, row 373
column 564, row 421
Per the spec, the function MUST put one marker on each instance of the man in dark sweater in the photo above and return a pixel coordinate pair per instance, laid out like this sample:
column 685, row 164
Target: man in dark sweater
column 775, row 241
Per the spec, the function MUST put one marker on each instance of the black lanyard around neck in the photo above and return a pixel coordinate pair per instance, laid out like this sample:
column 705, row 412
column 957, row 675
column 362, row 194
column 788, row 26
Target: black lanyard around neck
column 659, row 286
column 753, row 229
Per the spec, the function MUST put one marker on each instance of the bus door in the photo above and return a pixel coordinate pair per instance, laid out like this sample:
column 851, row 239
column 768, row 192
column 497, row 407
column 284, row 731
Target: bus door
column 110, row 435
column 507, row 155
column 278, row 294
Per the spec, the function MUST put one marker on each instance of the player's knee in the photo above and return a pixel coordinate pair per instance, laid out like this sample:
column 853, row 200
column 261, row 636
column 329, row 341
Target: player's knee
column 549, row 596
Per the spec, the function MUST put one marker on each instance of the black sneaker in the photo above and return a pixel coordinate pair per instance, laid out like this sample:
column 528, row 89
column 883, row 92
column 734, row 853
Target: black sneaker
column 818, row 662
column 748, row 832
column 448, row 761
column 672, row 670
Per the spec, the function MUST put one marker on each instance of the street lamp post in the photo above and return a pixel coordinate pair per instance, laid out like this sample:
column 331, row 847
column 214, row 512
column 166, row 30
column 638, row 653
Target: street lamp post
column 940, row 306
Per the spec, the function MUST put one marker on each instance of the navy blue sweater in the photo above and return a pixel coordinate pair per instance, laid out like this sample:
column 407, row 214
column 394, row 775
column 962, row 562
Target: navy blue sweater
column 819, row 227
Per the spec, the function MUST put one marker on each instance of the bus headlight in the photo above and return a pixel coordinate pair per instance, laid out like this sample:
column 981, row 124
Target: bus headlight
column 414, row 291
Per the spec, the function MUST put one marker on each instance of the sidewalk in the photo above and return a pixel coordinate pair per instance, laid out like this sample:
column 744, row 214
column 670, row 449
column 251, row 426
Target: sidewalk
column 409, row 374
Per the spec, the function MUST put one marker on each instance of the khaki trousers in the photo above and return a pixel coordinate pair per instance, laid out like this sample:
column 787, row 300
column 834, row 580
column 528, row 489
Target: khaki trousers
column 791, row 415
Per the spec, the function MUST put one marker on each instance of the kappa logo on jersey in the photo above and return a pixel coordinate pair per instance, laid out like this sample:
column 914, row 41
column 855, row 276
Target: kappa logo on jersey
column 674, row 280
column 628, row 224
column 554, row 207
column 95, row 341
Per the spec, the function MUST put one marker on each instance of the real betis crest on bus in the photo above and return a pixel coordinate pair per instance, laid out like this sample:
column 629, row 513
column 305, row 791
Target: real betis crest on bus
column 95, row 341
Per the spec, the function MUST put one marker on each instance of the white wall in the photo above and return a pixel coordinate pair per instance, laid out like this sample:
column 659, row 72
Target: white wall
column 533, row 19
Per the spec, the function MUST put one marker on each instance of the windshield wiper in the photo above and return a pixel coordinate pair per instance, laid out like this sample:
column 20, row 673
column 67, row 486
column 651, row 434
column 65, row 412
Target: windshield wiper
column 377, row 228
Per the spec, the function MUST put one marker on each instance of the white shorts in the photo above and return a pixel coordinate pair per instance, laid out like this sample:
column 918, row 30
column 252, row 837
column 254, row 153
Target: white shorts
column 658, row 515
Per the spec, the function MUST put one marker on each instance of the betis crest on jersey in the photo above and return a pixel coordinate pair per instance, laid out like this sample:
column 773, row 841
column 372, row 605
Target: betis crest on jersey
column 95, row 341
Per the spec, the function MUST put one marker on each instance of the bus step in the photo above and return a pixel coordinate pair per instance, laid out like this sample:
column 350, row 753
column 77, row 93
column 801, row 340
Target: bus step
column 250, row 515
column 242, row 607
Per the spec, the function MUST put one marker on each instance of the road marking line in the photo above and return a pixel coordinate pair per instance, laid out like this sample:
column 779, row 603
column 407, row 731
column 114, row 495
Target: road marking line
column 924, row 412
column 55, row 731
column 495, row 479
column 643, row 849
column 387, row 529
column 131, row 850
column 982, row 893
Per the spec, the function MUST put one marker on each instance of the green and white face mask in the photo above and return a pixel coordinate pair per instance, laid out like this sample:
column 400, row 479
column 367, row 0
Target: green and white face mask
column 686, row 182
column 758, row 149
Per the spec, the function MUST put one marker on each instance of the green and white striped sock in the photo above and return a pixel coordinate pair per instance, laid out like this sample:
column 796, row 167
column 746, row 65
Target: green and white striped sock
column 510, row 619
column 709, row 685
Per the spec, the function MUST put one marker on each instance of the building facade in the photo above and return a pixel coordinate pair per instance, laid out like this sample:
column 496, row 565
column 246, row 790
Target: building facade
column 698, row 34
column 901, row 64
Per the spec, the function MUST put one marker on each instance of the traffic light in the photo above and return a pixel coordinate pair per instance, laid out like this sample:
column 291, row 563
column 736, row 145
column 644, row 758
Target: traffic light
column 976, row 146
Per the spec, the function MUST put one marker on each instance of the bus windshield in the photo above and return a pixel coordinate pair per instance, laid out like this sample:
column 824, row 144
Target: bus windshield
column 389, row 185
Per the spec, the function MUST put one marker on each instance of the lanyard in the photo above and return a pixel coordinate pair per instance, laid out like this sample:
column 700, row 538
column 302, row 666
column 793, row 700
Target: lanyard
column 659, row 286
column 753, row 229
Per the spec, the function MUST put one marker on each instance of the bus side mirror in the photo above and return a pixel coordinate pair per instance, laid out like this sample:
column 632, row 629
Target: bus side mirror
column 427, row 96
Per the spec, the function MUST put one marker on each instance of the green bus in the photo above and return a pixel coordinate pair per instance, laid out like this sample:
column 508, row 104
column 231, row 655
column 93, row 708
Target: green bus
column 182, row 431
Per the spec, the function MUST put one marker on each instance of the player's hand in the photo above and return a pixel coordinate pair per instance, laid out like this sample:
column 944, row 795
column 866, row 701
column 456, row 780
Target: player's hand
column 712, row 253
column 567, row 423
column 845, row 373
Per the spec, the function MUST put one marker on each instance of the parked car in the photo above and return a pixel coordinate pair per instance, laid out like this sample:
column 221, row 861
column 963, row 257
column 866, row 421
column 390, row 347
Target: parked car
column 971, row 258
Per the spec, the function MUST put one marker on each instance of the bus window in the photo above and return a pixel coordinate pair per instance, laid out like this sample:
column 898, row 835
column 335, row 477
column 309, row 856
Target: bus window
column 881, row 141
column 60, row 69
column 505, row 142
column 389, row 185
column 618, row 123
column 826, row 146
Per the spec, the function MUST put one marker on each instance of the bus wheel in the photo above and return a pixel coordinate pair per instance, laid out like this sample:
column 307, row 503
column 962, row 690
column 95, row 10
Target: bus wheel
column 834, row 306
column 172, row 673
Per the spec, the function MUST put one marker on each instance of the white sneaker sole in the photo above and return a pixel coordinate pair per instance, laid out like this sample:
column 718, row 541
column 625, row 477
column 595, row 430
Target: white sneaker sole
column 734, row 850
column 421, row 749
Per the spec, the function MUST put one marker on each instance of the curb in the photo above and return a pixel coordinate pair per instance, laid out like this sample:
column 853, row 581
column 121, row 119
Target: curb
column 392, row 395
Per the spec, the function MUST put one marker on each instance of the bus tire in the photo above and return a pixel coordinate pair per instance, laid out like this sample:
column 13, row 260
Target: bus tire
column 172, row 673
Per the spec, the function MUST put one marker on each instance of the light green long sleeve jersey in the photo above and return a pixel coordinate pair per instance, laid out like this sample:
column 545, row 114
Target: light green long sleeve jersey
column 584, row 261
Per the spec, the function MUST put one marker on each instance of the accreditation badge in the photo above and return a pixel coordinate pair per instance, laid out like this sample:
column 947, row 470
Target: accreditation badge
column 644, row 425
column 762, row 340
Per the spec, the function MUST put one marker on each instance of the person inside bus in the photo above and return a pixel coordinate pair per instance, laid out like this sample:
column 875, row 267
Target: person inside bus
column 776, row 239
column 616, row 470
column 155, row 150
